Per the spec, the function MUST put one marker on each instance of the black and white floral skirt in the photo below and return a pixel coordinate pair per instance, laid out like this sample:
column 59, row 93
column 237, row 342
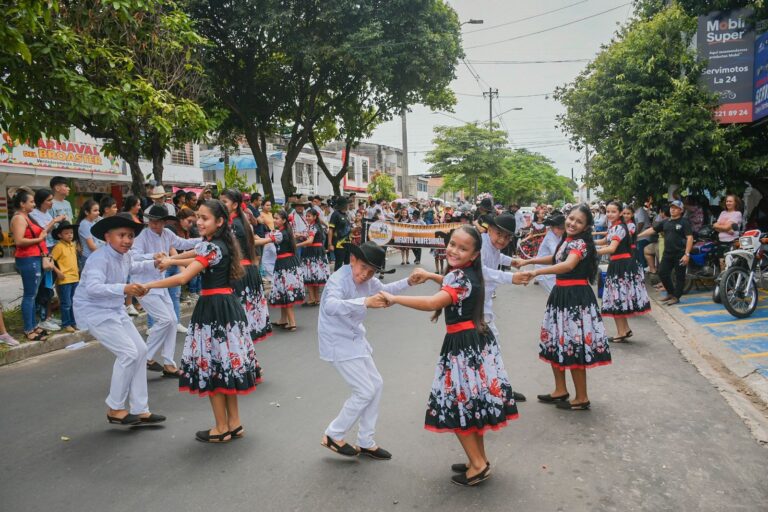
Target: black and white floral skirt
column 287, row 283
column 471, row 392
column 250, row 291
column 624, row 293
column 218, row 355
column 314, row 264
column 572, row 332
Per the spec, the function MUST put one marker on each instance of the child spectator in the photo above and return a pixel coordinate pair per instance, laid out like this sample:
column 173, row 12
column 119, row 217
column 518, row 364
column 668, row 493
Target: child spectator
column 60, row 188
column 64, row 255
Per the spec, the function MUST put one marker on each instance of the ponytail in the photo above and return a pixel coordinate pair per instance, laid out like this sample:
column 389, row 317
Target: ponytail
column 224, row 233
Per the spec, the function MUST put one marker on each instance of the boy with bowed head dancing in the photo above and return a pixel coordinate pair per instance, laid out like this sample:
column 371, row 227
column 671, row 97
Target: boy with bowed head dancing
column 99, row 307
column 349, row 293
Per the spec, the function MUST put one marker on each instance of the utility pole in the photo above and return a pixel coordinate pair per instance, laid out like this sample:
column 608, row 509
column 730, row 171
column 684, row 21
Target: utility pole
column 492, row 93
column 405, row 155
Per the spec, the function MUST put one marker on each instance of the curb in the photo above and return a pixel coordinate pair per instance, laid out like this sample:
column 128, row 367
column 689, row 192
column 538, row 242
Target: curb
column 745, row 390
column 59, row 341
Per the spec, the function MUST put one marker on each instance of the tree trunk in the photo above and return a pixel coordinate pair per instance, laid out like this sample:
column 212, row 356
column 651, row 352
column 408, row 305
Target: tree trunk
column 137, row 177
column 334, row 179
column 259, row 148
column 158, row 154
column 286, row 180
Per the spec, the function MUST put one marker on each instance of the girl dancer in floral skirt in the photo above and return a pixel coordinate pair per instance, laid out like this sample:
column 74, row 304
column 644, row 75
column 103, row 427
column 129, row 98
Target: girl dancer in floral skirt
column 314, row 262
column 572, row 333
column 624, row 294
column 249, row 289
column 287, row 282
column 471, row 393
column 218, row 359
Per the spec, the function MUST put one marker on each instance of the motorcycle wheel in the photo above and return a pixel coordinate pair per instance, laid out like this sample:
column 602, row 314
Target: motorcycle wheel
column 716, row 292
column 733, row 294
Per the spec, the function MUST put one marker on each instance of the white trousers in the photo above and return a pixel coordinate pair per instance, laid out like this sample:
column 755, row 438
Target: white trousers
column 129, row 374
column 163, row 333
column 362, row 376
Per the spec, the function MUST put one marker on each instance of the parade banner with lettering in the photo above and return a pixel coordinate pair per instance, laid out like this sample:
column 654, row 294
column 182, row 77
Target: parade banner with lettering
column 726, row 40
column 56, row 155
column 761, row 78
column 403, row 235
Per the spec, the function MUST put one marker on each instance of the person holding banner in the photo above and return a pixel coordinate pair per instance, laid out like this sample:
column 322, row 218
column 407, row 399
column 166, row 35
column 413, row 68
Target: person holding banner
column 403, row 218
column 339, row 229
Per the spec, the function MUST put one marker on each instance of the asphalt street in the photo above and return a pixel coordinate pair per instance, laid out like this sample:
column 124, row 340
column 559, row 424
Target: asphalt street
column 659, row 436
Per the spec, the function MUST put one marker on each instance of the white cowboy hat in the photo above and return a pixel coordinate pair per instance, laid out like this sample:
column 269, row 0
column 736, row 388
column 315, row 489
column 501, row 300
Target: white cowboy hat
column 158, row 192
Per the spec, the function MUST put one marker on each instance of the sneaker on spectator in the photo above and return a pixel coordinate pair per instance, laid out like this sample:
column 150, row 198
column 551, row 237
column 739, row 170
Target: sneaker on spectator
column 180, row 328
column 193, row 296
column 70, row 329
column 9, row 340
column 55, row 320
column 131, row 310
column 49, row 326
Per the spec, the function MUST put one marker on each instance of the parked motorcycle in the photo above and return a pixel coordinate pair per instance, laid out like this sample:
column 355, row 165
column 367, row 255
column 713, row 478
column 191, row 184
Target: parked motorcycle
column 743, row 275
column 704, row 262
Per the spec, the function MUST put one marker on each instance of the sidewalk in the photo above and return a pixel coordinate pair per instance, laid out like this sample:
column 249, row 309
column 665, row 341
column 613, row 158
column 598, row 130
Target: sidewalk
column 730, row 349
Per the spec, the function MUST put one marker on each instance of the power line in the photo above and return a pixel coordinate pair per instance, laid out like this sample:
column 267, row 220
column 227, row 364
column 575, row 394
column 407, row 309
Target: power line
column 506, row 96
column 548, row 29
column 524, row 19
column 496, row 62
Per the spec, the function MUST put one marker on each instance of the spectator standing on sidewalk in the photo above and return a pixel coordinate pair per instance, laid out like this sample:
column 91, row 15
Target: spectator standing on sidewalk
column 60, row 206
column 42, row 215
column 6, row 338
column 678, row 241
column 64, row 254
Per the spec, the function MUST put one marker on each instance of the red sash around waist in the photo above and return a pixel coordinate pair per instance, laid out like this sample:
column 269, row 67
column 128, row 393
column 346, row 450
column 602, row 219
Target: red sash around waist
column 624, row 256
column 216, row 291
column 571, row 282
column 284, row 255
column 315, row 245
column 461, row 326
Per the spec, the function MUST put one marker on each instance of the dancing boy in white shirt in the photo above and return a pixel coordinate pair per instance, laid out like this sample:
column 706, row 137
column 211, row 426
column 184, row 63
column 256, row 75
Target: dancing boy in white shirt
column 349, row 293
column 156, row 242
column 99, row 307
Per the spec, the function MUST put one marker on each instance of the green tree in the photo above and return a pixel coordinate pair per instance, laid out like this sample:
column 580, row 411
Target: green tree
column 286, row 67
column 463, row 154
column 640, row 106
column 382, row 186
column 526, row 177
column 234, row 179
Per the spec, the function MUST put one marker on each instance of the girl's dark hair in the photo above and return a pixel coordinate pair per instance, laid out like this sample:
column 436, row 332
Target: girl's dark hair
column 85, row 210
column 186, row 212
column 287, row 228
column 22, row 196
column 106, row 202
column 237, row 198
column 585, row 235
column 478, row 314
column 130, row 202
column 224, row 233
column 41, row 195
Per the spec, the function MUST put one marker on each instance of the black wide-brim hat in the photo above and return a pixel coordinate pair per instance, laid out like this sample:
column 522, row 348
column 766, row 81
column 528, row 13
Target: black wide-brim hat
column 370, row 253
column 121, row 220
column 505, row 222
column 158, row 212
column 62, row 226
column 555, row 220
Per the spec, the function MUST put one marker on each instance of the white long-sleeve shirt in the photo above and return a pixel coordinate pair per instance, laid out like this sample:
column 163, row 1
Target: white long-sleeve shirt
column 149, row 243
column 100, row 295
column 547, row 248
column 492, row 258
column 340, row 329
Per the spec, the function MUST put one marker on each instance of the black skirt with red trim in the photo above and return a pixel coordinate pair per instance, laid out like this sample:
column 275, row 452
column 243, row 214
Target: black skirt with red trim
column 218, row 355
column 471, row 392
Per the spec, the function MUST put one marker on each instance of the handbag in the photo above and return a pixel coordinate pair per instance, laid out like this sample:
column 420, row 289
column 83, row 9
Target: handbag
column 47, row 263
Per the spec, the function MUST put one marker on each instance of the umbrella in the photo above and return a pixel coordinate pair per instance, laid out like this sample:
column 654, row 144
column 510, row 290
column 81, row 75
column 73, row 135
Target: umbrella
column 400, row 200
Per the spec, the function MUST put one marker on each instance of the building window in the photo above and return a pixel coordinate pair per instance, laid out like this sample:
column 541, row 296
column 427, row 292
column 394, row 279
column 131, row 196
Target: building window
column 400, row 160
column 305, row 174
column 365, row 170
column 399, row 184
column 421, row 186
column 351, row 175
column 209, row 176
column 184, row 155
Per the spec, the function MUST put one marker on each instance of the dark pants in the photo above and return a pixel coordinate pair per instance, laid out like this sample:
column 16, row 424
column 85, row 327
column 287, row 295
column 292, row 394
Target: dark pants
column 672, row 274
column 417, row 254
column 66, row 293
column 639, row 252
column 342, row 257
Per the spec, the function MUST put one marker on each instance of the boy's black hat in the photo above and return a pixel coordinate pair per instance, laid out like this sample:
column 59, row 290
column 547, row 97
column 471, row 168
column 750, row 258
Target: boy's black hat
column 121, row 220
column 370, row 253
column 62, row 226
column 159, row 212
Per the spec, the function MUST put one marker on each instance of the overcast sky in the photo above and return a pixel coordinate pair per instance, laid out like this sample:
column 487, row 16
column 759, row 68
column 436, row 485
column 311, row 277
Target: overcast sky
column 520, row 85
